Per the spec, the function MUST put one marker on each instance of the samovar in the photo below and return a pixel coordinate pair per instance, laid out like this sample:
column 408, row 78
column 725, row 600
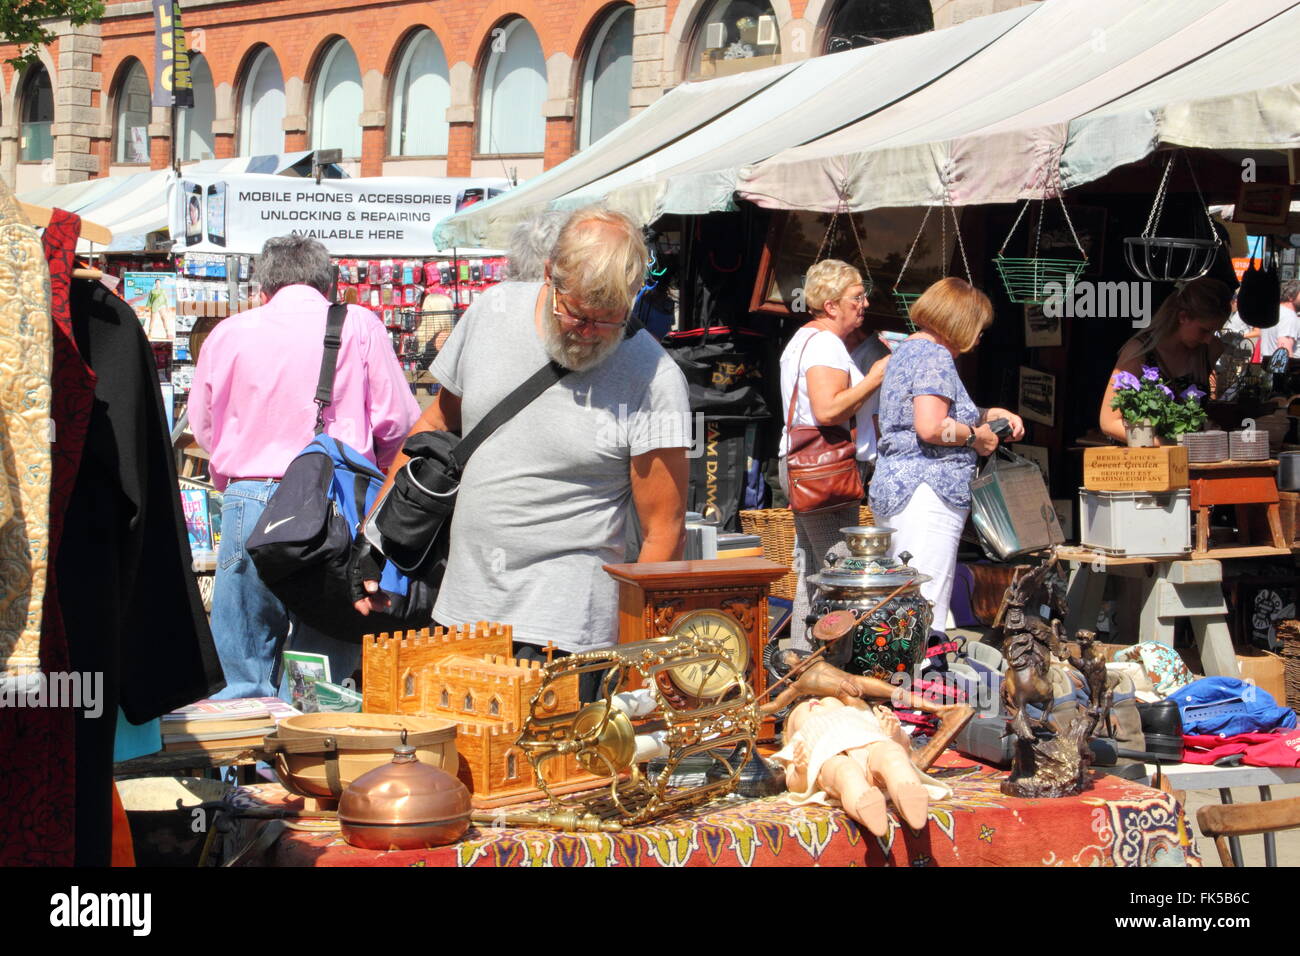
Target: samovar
column 888, row 638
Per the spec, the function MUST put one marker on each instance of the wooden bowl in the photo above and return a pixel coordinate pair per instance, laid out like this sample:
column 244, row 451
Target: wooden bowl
column 364, row 742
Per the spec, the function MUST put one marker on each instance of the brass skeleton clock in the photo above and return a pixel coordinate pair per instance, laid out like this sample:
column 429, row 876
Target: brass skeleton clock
column 723, row 599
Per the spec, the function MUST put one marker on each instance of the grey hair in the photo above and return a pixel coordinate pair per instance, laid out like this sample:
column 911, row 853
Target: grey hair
column 531, row 243
column 600, row 257
column 1290, row 290
column 294, row 260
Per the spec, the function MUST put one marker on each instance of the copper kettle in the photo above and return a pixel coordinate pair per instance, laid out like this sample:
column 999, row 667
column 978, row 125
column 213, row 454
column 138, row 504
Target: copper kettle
column 404, row 805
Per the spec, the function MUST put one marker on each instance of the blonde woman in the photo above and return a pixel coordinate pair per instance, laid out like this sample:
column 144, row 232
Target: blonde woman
column 931, row 434
column 831, row 391
column 1181, row 343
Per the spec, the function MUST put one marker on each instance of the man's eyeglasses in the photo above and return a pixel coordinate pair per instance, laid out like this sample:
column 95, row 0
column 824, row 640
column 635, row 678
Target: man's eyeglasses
column 578, row 320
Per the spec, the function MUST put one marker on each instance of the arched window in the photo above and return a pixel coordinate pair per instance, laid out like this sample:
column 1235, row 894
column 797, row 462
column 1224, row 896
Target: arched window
column 607, row 77
column 858, row 23
column 514, row 89
column 37, row 111
column 421, row 96
column 734, row 36
column 194, row 125
column 132, row 119
column 336, row 102
column 261, row 107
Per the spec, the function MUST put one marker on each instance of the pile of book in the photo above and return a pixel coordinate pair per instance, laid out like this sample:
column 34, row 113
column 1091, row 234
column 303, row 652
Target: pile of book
column 223, row 724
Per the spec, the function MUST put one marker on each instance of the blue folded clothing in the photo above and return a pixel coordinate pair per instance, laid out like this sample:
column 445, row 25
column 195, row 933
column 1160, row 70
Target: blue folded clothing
column 1228, row 706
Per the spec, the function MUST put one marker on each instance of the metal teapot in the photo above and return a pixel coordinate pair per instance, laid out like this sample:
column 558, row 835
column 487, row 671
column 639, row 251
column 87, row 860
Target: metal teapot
column 882, row 640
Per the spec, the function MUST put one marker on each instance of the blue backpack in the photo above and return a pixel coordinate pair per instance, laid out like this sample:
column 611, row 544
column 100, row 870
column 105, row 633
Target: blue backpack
column 302, row 545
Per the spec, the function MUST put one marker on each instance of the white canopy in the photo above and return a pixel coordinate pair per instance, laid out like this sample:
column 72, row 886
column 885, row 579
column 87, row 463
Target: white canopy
column 1021, row 104
column 135, row 205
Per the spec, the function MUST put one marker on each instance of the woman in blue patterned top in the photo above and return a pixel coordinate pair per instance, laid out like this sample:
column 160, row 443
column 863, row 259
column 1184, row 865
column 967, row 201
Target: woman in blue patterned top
column 931, row 433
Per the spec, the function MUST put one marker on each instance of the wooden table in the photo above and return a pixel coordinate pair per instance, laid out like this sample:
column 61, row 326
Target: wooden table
column 1245, row 485
column 193, row 762
column 1114, row 823
column 1195, row 776
column 1170, row 588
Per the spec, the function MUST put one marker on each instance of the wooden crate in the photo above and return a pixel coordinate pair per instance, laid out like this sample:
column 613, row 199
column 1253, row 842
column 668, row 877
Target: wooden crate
column 1135, row 469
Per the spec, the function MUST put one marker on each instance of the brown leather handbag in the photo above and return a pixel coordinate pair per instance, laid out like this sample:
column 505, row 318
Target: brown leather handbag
column 820, row 461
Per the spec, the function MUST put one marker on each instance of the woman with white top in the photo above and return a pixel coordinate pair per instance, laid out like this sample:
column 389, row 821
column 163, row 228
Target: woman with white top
column 831, row 391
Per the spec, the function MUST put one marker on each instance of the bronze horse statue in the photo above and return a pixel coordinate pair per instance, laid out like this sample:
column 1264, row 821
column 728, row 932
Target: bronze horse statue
column 1028, row 644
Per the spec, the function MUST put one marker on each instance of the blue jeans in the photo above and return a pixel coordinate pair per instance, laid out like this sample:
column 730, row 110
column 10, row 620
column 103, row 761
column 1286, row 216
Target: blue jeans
column 249, row 624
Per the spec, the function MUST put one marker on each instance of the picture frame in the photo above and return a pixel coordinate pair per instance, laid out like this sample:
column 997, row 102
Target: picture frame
column 1267, row 204
column 779, row 612
column 1040, row 456
column 1042, row 331
column 1037, row 396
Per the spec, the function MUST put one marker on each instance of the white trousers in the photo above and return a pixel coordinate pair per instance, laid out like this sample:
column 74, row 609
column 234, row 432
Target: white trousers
column 929, row 529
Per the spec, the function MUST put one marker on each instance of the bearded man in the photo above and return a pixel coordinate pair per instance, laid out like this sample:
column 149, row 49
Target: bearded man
column 544, row 502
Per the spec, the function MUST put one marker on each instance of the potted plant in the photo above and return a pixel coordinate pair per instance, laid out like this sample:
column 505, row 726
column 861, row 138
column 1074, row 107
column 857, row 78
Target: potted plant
column 1141, row 402
column 1184, row 415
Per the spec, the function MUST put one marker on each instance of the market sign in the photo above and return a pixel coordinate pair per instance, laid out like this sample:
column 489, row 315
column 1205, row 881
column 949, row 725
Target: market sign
column 380, row 216
column 172, row 82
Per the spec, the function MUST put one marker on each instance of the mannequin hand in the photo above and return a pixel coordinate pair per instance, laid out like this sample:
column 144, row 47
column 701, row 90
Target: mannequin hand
column 366, row 566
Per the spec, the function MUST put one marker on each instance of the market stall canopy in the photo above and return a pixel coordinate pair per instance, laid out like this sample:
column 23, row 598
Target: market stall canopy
column 1015, row 105
column 135, row 206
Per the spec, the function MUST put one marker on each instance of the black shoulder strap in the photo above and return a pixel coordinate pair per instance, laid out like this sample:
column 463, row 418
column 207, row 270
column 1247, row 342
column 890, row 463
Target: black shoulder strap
column 329, row 361
column 515, row 402
column 508, row 408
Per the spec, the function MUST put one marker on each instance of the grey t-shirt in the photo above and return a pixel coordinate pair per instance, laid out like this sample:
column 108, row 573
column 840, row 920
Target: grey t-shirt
column 544, row 501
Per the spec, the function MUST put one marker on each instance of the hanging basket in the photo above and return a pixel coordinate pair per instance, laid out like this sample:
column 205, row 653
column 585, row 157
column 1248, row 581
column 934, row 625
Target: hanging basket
column 1032, row 281
column 903, row 301
column 1171, row 258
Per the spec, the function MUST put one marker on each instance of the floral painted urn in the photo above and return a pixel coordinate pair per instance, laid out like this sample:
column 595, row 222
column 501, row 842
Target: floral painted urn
column 888, row 639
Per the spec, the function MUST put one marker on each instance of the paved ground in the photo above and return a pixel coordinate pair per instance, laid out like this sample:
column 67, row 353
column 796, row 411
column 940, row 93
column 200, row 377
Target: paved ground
column 1252, row 848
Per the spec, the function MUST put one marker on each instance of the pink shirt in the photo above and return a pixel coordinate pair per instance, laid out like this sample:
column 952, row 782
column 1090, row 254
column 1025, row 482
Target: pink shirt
column 251, row 404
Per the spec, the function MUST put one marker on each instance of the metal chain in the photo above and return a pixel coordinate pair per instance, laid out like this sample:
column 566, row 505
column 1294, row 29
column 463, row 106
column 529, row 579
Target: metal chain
column 843, row 209
column 1007, row 240
column 1209, row 220
column 943, row 244
column 1158, row 206
column 1074, row 235
column 956, row 227
column 915, row 240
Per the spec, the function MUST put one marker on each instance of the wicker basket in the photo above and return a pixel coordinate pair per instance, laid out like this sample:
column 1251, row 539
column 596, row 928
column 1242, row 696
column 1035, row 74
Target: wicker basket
column 1288, row 633
column 775, row 529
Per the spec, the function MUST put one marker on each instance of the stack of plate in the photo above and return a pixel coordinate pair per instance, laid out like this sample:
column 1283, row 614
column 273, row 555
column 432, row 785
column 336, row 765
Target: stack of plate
column 1206, row 447
column 1248, row 445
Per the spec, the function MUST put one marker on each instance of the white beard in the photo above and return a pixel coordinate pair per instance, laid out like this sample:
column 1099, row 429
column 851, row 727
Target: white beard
column 574, row 353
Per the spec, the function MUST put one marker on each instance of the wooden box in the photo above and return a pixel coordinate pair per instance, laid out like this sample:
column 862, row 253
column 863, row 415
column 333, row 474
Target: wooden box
column 1265, row 670
column 1135, row 469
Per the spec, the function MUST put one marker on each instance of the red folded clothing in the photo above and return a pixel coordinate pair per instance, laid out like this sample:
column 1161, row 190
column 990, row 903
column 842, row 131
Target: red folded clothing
column 1281, row 749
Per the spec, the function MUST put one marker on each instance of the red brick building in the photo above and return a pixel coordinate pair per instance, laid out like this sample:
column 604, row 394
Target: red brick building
column 448, row 87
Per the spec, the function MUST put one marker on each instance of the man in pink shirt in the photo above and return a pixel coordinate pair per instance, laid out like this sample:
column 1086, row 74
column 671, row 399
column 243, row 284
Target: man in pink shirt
column 251, row 408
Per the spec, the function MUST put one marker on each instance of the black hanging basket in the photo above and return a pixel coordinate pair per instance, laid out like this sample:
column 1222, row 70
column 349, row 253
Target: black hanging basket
column 1171, row 258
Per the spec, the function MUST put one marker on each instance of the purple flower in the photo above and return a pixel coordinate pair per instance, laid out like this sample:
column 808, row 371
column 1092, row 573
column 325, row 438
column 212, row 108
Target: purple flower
column 1150, row 373
column 1169, row 392
column 1192, row 393
column 1126, row 381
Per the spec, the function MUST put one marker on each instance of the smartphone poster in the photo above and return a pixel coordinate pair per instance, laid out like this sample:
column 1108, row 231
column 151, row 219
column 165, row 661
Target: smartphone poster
column 217, row 214
column 193, row 193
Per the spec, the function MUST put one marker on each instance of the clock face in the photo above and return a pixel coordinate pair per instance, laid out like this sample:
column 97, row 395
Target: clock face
column 705, row 678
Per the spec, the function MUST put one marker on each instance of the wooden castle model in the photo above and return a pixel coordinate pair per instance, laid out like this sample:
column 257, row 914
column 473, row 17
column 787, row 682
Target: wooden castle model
column 468, row 674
